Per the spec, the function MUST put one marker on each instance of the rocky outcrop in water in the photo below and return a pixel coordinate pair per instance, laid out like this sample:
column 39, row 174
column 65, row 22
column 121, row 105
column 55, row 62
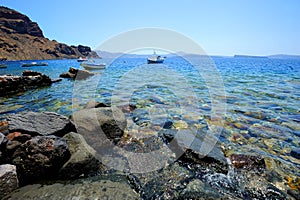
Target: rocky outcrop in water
column 22, row 39
column 76, row 74
column 12, row 84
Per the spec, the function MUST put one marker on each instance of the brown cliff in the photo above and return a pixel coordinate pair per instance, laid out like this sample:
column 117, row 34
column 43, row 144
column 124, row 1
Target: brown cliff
column 22, row 39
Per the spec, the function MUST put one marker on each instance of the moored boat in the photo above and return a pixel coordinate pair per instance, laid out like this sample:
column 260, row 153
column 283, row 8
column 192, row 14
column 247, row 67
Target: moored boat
column 3, row 66
column 93, row 66
column 34, row 64
column 155, row 59
column 80, row 59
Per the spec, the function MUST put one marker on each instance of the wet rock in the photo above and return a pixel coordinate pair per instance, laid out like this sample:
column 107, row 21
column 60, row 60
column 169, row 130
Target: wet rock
column 99, row 189
column 296, row 153
column 47, row 123
column 198, row 148
column 247, row 161
column 8, row 179
column 82, row 160
column 99, row 126
column 10, row 84
column 76, row 73
column 41, row 157
column 168, row 125
column 94, row 104
column 196, row 189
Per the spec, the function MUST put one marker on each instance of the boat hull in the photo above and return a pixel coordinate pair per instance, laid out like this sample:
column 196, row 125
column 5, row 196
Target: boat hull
column 34, row 64
column 154, row 61
column 93, row 66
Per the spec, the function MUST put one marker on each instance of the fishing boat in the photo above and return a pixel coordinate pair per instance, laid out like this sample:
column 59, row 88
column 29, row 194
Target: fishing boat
column 34, row 64
column 93, row 66
column 3, row 66
column 80, row 59
column 155, row 59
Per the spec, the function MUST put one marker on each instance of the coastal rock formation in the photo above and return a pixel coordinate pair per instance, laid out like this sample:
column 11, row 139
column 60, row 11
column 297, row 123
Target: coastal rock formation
column 76, row 73
column 11, row 84
column 8, row 179
column 43, row 124
column 22, row 39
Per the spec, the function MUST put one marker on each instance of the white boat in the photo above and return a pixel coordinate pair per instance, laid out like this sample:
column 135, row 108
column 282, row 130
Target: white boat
column 80, row 59
column 34, row 64
column 93, row 66
column 155, row 59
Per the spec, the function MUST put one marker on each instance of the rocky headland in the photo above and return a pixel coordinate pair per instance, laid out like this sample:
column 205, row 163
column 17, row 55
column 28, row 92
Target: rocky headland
column 22, row 39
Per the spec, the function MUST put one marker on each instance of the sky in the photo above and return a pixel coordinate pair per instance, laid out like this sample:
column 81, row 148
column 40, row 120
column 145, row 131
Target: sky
column 220, row 27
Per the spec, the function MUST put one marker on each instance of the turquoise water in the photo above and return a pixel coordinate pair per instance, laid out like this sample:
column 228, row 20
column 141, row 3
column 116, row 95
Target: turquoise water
column 262, row 99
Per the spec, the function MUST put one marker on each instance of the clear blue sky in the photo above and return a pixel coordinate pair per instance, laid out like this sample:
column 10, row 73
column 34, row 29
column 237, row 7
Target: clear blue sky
column 221, row 27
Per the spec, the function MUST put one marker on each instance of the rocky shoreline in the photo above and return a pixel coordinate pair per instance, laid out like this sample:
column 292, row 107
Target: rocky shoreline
column 47, row 154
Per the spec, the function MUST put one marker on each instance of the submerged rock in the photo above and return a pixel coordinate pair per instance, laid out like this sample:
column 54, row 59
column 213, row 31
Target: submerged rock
column 296, row 153
column 8, row 179
column 76, row 73
column 100, row 189
column 196, row 189
column 41, row 157
column 47, row 123
column 247, row 161
column 82, row 160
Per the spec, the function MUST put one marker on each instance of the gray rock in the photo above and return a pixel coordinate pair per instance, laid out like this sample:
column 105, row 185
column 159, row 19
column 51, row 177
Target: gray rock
column 82, row 160
column 47, row 123
column 101, row 189
column 100, row 125
column 192, row 146
column 41, row 157
column 8, row 179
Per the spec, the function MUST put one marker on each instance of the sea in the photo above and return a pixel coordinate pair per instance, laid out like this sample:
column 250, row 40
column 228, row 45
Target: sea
column 257, row 99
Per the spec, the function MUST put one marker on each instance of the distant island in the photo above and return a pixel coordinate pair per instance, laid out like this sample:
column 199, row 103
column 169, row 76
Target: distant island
column 22, row 39
column 248, row 56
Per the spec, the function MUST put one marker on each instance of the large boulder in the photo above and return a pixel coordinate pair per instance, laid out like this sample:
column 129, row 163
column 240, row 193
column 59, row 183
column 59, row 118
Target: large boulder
column 41, row 157
column 100, row 125
column 8, row 179
column 82, row 160
column 47, row 123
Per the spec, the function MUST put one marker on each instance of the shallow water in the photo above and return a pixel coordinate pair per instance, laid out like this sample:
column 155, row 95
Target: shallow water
column 262, row 99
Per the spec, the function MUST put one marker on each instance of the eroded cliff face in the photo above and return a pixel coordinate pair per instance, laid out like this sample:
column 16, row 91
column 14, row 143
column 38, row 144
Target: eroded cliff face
column 22, row 39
